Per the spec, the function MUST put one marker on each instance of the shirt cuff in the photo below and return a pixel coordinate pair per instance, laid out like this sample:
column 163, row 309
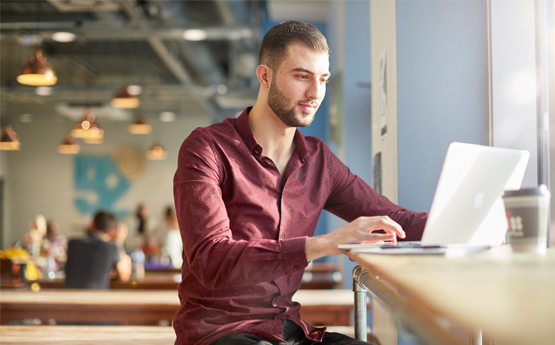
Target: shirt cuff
column 294, row 252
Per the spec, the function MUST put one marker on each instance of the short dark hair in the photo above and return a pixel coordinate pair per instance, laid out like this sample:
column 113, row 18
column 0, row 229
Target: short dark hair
column 104, row 221
column 276, row 41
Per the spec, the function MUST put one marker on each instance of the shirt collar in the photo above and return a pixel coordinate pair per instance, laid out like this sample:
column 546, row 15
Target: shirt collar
column 245, row 131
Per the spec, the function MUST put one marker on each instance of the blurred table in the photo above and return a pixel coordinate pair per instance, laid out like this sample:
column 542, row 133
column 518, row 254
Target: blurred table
column 79, row 335
column 160, row 277
column 153, row 280
column 136, row 306
column 319, row 307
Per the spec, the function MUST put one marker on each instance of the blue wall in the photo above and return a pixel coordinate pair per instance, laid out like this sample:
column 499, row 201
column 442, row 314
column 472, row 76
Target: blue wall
column 442, row 89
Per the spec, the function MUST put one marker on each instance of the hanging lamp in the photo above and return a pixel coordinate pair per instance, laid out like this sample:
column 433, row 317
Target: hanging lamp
column 95, row 141
column 156, row 152
column 9, row 140
column 123, row 99
column 140, row 126
column 69, row 146
column 87, row 127
column 37, row 72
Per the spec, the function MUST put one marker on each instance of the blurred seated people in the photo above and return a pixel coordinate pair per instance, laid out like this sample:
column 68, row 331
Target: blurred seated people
column 91, row 259
column 57, row 243
column 34, row 241
column 170, row 238
column 139, row 228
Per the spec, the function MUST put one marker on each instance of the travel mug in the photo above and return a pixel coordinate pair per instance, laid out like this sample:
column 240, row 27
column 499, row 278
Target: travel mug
column 528, row 218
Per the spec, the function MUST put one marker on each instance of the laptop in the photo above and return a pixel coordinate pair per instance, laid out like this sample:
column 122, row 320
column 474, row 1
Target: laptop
column 467, row 212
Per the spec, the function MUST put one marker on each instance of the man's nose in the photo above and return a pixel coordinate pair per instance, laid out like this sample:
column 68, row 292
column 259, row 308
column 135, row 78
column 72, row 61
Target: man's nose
column 316, row 90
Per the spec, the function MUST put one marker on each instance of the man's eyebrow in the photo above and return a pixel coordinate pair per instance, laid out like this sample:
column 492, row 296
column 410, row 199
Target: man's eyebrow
column 300, row 69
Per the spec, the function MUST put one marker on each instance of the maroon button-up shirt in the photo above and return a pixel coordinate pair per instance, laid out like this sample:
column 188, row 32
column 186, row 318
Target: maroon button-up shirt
column 244, row 227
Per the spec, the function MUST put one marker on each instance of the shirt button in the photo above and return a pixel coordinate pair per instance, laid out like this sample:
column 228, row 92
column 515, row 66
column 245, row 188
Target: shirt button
column 283, row 235
column 256, row 151
column 296, row 268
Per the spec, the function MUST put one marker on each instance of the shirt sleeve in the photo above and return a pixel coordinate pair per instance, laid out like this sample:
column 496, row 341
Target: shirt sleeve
column 351, row 198
column 210, row 252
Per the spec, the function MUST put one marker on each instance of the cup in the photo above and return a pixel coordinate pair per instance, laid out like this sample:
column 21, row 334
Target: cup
column 527, row 213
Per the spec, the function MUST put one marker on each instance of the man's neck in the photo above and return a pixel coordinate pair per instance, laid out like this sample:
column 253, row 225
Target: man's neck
column 276, row 138
column 104, row 236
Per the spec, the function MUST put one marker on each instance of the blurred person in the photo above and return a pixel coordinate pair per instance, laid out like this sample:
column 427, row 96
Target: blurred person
column 170, row 238
column 57, row 243
column 139, row 228
column 35, row 240
column 91, row 259
column 142, row 219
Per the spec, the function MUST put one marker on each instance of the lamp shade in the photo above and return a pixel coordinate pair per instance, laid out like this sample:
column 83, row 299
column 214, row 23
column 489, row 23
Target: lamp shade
column 87, row 127
column 156, row 152
column 37, row 72
column 140, row 126
column 69, row 146
column 124, row 99
column 9, row 140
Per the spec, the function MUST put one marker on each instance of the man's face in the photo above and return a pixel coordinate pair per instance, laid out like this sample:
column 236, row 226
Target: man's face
column 299, row 85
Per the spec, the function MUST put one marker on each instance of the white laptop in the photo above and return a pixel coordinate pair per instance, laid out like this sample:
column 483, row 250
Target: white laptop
column 467, row 210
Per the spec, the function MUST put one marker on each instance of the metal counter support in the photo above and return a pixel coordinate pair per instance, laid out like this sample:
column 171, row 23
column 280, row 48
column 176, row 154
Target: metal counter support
column 360, row 306
column 410, row 317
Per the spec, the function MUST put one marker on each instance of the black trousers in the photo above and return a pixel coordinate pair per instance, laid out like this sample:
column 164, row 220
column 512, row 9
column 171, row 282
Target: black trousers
column 292, row 333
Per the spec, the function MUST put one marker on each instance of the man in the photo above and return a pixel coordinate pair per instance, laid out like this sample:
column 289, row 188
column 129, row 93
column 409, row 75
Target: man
column 91, row 259
column 248, row 194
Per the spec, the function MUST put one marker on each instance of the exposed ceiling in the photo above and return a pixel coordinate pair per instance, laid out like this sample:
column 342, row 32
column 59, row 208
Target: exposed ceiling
column 136, row 42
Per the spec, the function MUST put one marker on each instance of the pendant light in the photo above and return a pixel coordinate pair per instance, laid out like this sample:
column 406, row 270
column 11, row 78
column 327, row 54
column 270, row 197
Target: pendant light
column 69, row 146
column 156, row 152
column 9, row 140
column 37, row 72
column 123, row 99
column 87, row 127
column 94, row 141
column 140, row 126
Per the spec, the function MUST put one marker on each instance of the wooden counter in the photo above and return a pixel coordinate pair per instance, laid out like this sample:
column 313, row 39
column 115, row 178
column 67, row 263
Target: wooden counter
column 509, row 296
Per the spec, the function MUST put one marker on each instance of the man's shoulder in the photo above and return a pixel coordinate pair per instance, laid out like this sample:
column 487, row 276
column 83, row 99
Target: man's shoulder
column 315, row 145
column 218, row 134
column 225, row 126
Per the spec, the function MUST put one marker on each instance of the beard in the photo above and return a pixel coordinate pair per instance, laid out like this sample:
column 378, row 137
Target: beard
column 279, row 103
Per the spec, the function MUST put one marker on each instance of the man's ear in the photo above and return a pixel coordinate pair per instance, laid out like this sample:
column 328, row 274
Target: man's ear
column 264, row 75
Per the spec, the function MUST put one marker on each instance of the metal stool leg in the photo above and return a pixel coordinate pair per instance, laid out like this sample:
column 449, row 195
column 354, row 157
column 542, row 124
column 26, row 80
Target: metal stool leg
column 361, row 322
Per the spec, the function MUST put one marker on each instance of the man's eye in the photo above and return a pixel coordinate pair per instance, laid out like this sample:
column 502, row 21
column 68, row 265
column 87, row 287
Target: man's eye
column 325, row 81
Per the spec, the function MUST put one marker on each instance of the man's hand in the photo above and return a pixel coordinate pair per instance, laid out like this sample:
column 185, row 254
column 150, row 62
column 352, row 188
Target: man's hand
column 361, row 230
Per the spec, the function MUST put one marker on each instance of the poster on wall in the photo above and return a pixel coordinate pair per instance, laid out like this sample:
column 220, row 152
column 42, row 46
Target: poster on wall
column 383, row 95
column 99, row 185
column 101, row 181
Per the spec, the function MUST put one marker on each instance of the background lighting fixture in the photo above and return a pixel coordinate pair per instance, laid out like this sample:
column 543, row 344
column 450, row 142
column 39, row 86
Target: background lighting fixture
column 156, row 152
column 87, row 128
column 9, row 140
column 69, row 146
column 123, row 99
column 37, row 72
column 195, row 35
column 44, row 91
column 140, row 126
column 167, row 116
column 63, row 36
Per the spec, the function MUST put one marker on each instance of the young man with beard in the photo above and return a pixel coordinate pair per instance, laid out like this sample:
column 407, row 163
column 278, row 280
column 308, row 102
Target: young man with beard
column 248, row 194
